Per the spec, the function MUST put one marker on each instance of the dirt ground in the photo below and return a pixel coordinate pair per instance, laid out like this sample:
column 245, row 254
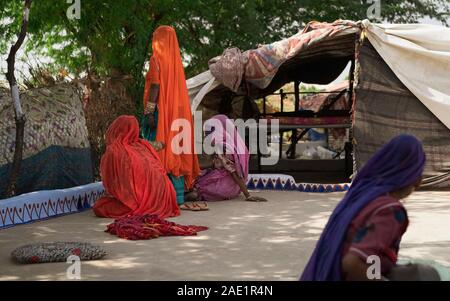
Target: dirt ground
column 246, row 241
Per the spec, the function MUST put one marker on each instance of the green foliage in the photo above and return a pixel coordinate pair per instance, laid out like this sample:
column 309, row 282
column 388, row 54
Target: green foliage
column 309, row 89
column 113, row 37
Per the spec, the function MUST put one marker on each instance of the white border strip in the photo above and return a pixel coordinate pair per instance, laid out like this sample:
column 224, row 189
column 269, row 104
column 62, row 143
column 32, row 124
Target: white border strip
column 44, row 204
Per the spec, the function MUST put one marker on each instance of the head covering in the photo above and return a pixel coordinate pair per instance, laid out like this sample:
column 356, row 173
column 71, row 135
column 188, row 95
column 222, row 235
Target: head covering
column 227, row 140
column 398, row 164
column 133, row 176
column 123, row 130
column 173, row 104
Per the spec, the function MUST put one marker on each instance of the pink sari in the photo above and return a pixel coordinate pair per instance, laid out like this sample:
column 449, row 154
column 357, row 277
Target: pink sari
column 217, row 184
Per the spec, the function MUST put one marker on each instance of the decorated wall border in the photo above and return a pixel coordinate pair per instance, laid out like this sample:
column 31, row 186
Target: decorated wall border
column 41, row 205
column 287, row 183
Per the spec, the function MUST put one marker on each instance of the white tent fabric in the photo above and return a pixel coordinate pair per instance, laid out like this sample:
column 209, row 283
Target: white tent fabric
column 419, row 54
column 198, row 86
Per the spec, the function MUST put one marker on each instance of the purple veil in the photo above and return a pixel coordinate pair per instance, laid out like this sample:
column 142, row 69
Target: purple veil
column 397, row 164
column 227, row 137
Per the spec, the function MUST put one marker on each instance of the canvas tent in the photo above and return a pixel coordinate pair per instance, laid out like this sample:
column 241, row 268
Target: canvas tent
column 401, row 81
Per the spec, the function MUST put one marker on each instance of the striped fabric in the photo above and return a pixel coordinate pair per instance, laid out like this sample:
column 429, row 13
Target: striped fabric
column 386, row 108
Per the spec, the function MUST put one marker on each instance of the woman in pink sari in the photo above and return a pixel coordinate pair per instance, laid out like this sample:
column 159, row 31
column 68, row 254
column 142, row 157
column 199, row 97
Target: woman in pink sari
column 225, row 177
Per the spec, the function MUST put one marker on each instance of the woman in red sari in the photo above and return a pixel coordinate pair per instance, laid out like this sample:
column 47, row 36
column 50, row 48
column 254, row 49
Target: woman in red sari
column 134, row 179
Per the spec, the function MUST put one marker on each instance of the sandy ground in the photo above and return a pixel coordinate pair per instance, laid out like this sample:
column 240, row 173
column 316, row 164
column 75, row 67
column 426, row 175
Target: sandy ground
column 246, row 241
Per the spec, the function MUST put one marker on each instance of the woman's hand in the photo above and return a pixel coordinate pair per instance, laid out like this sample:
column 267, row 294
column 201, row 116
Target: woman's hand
column 157, row 145
column 255, row 199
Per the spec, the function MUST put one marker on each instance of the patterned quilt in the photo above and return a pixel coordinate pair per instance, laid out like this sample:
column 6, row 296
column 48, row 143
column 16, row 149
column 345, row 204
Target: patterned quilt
column 260, row 65
column 56, row 153
column 54, row 117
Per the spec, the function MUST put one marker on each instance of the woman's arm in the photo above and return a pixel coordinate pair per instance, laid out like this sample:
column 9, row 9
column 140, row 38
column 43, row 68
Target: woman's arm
column 146, row 88
column 354, row 268
column 206, row 164
column 151, row 105
column 244, row 190
column 389, row 224
column 154, row 93
column 241, row 184
column 151, row 92
column 151, row 89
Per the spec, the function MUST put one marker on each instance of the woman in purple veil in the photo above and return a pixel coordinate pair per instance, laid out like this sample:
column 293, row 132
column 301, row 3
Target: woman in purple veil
column 370, row 220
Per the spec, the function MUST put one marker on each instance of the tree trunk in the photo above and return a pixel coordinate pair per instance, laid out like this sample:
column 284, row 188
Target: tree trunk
column 108, row 98
column 15, row 95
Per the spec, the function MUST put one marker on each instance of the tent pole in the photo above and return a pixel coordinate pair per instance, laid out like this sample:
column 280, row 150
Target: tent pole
column 281, row 100
column 264, row 106
column 297, row 95
column 349, row 145
column 351, row 80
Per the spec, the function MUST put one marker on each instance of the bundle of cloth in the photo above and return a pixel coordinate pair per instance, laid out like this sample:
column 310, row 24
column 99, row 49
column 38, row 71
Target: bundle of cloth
column 148, row 227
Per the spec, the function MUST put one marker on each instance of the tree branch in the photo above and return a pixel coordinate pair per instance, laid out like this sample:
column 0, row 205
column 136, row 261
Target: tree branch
column 20, row 116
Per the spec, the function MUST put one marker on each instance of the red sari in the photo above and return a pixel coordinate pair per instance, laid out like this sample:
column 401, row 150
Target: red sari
column 134, row 179
column 166, row 69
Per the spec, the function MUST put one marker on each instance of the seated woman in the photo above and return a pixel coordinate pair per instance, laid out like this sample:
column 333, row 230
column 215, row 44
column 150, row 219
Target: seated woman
column 370, row 220
column 226, row 175
column 133, row 177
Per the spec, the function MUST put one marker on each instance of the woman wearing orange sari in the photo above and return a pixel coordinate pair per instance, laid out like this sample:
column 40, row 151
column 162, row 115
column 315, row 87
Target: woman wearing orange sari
column 133, row 177
column 166, row 100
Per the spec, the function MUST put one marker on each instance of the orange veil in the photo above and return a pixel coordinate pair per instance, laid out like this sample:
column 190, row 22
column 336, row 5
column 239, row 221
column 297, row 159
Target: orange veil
column 173, row 103
column 133, row 177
